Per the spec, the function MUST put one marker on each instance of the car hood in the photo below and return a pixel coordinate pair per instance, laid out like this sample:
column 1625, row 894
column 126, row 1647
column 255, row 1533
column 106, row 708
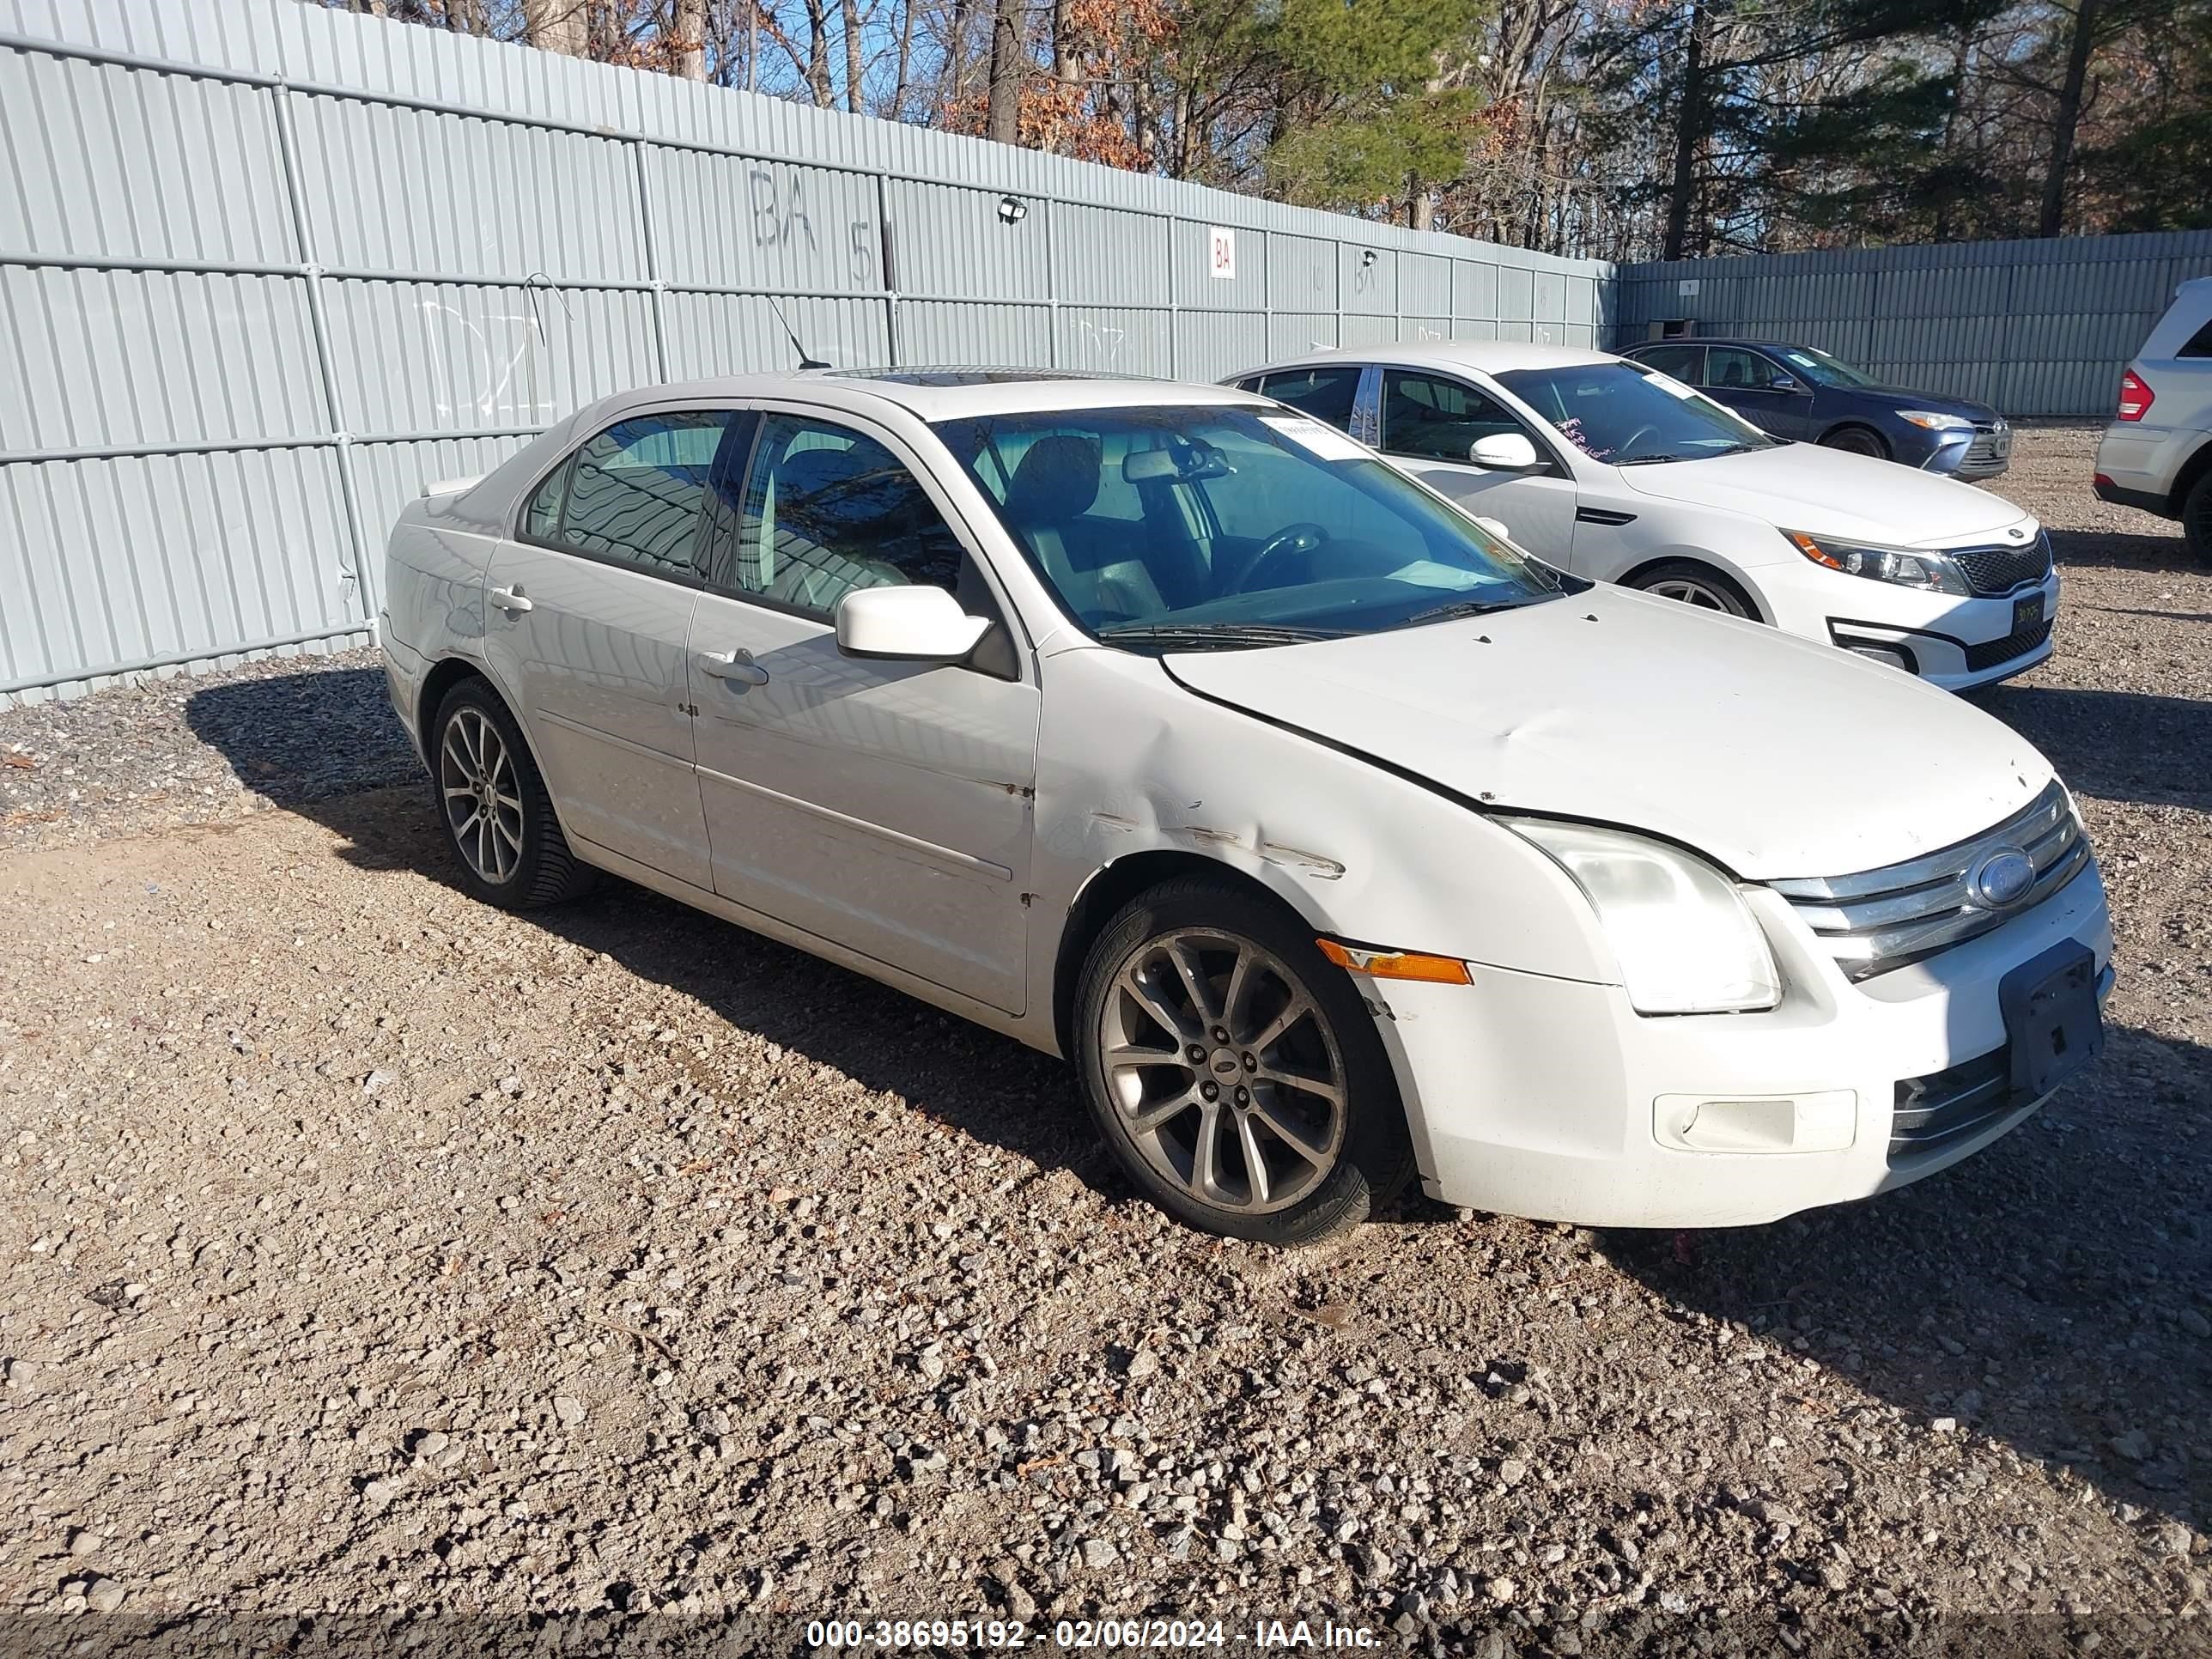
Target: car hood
column 1775, row 756
column 1904, row 397
column 1824, row 491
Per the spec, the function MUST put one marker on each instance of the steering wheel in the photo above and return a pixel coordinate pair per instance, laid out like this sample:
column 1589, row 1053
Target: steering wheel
column 1292, row 538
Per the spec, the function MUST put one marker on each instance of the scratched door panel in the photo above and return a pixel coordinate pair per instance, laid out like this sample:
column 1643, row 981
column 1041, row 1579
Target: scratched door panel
column 454, row 357
column 734, row 223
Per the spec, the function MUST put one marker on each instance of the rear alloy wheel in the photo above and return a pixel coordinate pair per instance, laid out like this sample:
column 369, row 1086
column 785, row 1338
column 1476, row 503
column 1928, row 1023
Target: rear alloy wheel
column 2197, row 519
column 1696, row 585
column 1857, row 441
column 1233, row 1069
column 494, row 808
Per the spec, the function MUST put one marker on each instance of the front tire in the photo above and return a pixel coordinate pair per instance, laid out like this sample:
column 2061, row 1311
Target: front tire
column 1234, row 1070
column 1697, row 585
column 1857, row 440
column 492, row 802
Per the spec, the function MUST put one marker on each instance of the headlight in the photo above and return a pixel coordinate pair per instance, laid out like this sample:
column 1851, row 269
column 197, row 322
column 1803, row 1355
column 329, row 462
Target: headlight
column 1686, row 942
column 1929, row 419
column 1935, row 573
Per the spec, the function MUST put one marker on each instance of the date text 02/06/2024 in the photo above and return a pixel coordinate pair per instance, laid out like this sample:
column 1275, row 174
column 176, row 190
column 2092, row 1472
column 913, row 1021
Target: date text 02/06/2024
column 880, row 1634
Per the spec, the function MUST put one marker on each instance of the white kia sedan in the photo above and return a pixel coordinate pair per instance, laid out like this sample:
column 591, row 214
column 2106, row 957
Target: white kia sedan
column 1165, row 729
column 1609, row 469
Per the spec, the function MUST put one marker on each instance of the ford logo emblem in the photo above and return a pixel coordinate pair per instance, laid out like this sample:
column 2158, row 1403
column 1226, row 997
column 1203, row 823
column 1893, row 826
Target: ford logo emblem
column 2002, row 878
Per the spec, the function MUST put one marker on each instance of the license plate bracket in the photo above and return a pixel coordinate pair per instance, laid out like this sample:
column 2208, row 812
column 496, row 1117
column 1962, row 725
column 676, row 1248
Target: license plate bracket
column 2026, row 612
column 2052, row 1019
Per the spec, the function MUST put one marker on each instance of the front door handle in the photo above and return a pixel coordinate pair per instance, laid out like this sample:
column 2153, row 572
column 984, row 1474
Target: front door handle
column 733, row 667
column 509, row 598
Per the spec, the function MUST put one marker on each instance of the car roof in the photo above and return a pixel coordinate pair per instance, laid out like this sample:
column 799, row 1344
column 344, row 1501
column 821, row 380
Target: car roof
column 1489, row 357
column 1720, row 340
column 933, row 394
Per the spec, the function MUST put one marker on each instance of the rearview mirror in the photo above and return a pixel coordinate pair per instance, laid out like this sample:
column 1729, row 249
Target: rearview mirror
column 1504, row 451
column 906, row 624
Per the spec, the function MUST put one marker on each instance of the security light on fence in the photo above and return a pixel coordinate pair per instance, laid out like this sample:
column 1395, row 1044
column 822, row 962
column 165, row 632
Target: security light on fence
column 1012, row 210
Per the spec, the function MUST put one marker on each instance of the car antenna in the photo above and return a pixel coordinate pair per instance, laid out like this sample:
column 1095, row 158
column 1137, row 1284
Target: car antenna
column 805, row 362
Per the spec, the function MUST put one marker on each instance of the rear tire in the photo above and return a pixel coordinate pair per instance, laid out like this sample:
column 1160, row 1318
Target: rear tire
column 1857, row 440
column 492, row 803
column 1698, row 585
column 1214, row 1039
column 2197, row 519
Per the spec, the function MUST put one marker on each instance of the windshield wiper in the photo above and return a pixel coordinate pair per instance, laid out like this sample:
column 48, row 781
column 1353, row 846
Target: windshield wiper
column 1646, row 460
column 1198, row 636
column 1463, row 608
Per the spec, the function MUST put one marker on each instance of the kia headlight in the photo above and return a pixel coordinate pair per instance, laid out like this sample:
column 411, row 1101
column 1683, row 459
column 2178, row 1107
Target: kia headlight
column 1686, row 940
column 1903, row 567
column 1929, row 421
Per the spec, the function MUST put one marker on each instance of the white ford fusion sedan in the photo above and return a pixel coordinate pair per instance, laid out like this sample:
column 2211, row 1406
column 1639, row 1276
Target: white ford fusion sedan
column 1330, row 840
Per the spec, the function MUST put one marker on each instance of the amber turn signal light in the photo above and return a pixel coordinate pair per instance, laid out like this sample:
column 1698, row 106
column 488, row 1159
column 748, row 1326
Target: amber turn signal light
column 1395, row 964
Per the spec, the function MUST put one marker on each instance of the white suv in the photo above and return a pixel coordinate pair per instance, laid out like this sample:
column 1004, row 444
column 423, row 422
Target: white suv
column 2157, row 453
column 1610, row 470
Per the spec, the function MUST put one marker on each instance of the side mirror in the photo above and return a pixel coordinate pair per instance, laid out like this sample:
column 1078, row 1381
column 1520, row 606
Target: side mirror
column 1504, row 451
column 1783, row 383
column 906, row 624
column 1499, row 528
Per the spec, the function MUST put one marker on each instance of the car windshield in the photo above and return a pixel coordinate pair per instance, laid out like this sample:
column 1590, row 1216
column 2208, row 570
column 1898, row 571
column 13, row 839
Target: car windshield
column 1230, row 526
column 1626, row 414
column 1822, row 369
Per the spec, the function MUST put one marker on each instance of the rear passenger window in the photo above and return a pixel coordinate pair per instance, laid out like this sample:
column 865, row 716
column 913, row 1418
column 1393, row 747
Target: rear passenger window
column 1327, row 394
column 541, row 522
column 2198, row 344
column 634, row 490
column 1682, row 363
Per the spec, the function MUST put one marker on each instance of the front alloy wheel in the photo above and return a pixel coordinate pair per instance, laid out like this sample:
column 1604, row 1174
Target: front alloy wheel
column 1224, row 1071
column 1234, row 1070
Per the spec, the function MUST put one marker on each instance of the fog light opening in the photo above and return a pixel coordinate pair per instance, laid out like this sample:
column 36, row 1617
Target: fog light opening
column 1895, row 656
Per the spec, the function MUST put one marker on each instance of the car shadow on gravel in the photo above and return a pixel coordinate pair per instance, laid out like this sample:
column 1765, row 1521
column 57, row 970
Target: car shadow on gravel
column 2123, row 550
column 2116, row 746
column 300, row 737
column 2051, row 1293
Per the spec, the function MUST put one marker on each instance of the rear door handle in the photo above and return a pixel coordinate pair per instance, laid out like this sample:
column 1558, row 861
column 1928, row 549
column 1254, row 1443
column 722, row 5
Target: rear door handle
column 509, row 598
column 733, row 667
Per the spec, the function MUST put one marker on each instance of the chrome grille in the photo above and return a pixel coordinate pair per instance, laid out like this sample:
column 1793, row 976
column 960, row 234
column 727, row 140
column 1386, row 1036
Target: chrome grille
column 2001, row 569
column 1989, row 445
column 1933, row 1113
column 1882, row 918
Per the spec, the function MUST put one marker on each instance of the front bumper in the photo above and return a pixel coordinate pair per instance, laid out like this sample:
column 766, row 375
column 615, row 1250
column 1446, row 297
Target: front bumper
column 1554, row 1098
column 1969, row 456
column 1956, row 643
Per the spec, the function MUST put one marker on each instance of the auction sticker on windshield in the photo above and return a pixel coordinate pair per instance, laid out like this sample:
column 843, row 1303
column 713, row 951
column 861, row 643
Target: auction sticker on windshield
column 1325, row 442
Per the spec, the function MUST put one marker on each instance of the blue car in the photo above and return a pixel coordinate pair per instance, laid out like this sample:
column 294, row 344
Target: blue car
column 1799, row 391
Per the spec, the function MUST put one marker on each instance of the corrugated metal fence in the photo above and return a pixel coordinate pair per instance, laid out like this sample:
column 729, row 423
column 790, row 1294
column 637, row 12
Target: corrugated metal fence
column 2032, row 327
column 264, row 268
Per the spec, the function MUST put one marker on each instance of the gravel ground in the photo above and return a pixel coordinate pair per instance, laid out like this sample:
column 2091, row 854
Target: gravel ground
column 371, row 1251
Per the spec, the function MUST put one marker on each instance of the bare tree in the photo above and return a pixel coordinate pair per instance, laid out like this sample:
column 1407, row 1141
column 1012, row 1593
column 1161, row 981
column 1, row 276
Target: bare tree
column 853, row 23
column 1003, row 122
column 556, row 26
column 2066, row 118
column 688, row 47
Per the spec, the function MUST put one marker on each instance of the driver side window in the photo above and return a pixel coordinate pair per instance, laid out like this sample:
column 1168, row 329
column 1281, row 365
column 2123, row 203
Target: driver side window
column 1428, row 417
